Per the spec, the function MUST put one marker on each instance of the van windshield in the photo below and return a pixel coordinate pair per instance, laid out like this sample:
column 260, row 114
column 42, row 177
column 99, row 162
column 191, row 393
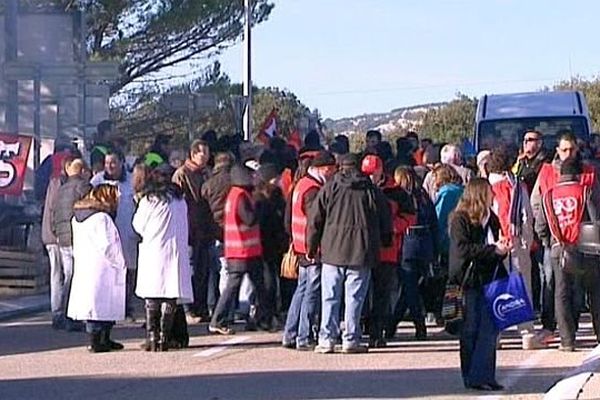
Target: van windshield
column 509, row 132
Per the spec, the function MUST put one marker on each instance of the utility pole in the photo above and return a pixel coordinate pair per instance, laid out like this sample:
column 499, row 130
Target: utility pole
column 12, row 98
column 248, row 70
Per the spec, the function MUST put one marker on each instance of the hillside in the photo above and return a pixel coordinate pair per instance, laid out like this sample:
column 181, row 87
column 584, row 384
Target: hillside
column 400, row 118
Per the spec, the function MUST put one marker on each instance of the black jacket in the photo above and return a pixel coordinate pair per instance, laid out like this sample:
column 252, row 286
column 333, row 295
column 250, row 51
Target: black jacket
column 350, row 220
column 270, row 208
column 74, row 189
column 468, row 246
column 215, row 191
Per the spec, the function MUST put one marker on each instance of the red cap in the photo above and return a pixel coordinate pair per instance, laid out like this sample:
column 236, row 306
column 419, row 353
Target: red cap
column 371, row 164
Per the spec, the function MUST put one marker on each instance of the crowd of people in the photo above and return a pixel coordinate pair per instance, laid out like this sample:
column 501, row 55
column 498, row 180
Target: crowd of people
column 376, row 236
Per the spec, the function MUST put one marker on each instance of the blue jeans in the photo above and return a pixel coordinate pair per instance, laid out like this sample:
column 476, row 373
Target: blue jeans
column 477, row 341
column 56, row 280
column 548, row 316
column 304, row 308
column 63, row 284
column 410, row 295
column 354, row 282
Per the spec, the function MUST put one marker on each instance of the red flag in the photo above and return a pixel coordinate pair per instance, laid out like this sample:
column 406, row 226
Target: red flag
column 269, row 128
column 14, row 152
column 295, row 140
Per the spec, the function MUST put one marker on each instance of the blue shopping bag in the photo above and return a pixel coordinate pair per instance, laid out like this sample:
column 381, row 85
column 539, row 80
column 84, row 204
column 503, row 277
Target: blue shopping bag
column 507, row 299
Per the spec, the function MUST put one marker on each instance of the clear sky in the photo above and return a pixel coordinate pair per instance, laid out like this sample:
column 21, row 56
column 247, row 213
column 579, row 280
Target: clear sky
column 348, row 57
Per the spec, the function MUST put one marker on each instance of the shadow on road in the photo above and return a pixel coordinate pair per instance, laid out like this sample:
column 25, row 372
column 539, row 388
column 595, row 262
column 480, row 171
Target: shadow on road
column 284, row 385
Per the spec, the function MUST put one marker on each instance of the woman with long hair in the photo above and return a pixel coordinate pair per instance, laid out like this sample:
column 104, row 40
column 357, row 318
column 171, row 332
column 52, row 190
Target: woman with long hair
column 99, row 272
column 164, row 275
column 419, row 250
column 475, row 256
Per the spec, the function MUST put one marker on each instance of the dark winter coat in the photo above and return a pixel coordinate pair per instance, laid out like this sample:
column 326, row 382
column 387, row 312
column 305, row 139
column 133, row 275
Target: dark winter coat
column 74, row 189
column 468, row 246
column 349, row 220
column 214, row 192
column 270, row 207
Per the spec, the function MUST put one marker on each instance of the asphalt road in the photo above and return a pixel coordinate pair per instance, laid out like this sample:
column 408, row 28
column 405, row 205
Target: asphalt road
column 37, row 362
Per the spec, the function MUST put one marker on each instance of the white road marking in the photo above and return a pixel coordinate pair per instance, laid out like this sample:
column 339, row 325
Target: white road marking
column 222, row 346
column 32, row 321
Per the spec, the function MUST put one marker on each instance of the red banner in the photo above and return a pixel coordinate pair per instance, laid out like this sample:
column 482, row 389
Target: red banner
column 14, row 152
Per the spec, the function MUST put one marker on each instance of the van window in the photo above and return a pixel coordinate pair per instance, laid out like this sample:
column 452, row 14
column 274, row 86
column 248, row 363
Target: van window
column 509, row 132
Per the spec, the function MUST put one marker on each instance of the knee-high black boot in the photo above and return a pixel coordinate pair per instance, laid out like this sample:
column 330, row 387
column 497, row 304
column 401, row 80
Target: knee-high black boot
column 166, row 324
column 152, row 325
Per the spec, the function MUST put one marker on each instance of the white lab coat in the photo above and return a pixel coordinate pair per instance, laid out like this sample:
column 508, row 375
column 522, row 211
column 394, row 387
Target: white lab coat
column 129, row 239
column 99, row 272
column 164, row 263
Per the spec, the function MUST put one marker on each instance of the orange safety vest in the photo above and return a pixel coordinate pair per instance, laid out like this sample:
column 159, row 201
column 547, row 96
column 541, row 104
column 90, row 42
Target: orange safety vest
column 299, row 218
column 241, row 241
column 548, row 176
column 568, row 204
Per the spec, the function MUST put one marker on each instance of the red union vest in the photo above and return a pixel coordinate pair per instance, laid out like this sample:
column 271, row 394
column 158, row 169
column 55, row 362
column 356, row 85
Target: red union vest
column 241, row 241
column 568, row 203
column 548, row 177
column 299, row 218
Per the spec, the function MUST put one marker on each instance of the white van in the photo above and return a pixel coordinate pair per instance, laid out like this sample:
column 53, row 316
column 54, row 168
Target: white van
column 502, row 119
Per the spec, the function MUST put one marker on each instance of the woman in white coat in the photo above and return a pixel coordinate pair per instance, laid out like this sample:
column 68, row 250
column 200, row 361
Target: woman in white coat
column 164, row 275
column 99, row 272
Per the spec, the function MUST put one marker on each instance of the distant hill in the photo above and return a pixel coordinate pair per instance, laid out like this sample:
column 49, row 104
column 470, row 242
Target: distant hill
column 400, row 118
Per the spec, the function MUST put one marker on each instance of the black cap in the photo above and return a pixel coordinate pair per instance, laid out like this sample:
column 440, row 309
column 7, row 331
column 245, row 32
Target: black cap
column 323, row 159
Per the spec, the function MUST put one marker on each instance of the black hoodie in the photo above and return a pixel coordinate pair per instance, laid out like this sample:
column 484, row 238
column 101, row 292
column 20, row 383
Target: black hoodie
column 349, row 220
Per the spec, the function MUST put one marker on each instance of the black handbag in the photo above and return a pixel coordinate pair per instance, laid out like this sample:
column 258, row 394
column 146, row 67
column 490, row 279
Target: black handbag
column 589, row 232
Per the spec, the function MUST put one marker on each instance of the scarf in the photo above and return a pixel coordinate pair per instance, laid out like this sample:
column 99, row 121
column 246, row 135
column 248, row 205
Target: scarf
column 192, row 166
column 516, row 207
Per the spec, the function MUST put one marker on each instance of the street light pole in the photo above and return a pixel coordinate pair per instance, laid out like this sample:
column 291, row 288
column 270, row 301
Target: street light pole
column 247, row 70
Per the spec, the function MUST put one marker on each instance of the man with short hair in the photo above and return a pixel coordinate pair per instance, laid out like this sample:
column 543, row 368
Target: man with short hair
column 191, row 177
column 450, row 155
column 74, row 189
column 373, row 138
column 347, row 226
column 101, row 147
column 531, row 158
column 547, row 179
column 565, row 207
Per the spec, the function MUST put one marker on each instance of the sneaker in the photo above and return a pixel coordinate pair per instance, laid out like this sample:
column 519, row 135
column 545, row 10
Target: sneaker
column 569, row 348
column 192, row 319
column 545, row 336
column 355, row 350
column 220, row 330
column 531, row 342
column 305, row 347
column 288, row 345
column 324, row 349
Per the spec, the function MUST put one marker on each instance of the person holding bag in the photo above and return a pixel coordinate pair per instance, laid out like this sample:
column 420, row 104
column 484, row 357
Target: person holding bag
column 566, row 207
column 476, row 249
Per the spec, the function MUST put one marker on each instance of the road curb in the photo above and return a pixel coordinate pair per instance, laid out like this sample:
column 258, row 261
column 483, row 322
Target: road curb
column 572, row 385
